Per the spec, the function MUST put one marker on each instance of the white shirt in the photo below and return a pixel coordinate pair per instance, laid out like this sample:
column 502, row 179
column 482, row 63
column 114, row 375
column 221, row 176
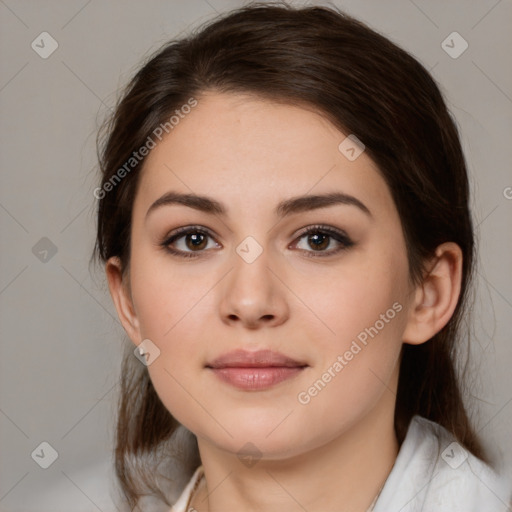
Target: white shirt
column 430, row 474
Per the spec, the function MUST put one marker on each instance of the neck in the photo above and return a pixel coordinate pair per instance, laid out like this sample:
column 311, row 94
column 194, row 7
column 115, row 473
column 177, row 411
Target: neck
column 343, row 475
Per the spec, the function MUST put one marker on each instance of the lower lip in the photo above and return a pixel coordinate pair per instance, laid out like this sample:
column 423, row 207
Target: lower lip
column 256, row 378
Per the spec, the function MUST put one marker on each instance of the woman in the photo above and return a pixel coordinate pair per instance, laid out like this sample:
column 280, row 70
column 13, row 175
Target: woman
column 283, row 217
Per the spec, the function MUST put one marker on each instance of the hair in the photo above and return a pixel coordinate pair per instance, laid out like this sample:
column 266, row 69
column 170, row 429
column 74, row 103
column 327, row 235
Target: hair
column 322, row 59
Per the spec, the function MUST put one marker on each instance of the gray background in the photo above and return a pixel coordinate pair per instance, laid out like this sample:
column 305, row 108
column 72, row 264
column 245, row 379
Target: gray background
column 61, row 342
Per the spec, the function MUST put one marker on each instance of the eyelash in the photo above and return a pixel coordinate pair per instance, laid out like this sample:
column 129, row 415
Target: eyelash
column 340, row 236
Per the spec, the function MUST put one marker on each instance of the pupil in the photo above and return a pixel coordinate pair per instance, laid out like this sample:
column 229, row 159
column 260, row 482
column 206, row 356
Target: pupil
column 196, row 240
column 315, row 238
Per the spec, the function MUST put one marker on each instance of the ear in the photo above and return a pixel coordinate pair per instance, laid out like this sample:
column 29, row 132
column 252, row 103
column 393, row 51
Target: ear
column 437, row 296
column 120, row 292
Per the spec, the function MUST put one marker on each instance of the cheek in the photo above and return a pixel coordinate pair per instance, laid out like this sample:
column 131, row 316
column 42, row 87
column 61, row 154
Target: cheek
column 173, row 313
column 163, row 298
column 365, row 311
column 359, row 299
column 356, row 364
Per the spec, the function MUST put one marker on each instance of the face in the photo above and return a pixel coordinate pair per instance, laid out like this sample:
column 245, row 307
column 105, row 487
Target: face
column 324, row 284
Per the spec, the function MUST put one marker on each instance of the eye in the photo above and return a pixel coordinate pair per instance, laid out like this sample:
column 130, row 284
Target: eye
column 321, row 238
column 191, row 241
column 188, row 240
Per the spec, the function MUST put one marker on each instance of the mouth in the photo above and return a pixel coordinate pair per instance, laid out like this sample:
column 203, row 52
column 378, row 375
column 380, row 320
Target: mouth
column 255, row 370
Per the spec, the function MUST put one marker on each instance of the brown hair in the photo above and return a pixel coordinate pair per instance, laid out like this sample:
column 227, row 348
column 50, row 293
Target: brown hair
column 366, row 86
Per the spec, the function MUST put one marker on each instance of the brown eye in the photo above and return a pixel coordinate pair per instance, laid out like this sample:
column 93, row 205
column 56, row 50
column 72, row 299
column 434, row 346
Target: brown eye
column 318, row 241
column 195, row 241
column 187, row 241
column 320, row 238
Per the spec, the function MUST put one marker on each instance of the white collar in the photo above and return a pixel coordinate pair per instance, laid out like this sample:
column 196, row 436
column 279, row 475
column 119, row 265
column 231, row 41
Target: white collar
column 433, row 473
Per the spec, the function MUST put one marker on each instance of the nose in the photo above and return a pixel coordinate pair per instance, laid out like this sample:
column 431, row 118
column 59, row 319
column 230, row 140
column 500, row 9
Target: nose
column 253, row 295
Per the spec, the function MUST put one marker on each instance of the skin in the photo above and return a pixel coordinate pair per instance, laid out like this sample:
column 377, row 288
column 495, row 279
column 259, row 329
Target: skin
column 335, row 452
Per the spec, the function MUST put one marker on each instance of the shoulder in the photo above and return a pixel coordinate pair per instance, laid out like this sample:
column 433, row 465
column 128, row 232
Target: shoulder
column 434, row 473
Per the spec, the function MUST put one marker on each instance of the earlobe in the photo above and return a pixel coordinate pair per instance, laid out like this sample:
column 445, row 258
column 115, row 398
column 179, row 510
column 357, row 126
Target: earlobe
column 119, row 291
column 437, row 296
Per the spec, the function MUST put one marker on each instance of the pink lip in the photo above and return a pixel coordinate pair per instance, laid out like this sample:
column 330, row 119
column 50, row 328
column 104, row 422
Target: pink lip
column 259, row 359
column 255, row 370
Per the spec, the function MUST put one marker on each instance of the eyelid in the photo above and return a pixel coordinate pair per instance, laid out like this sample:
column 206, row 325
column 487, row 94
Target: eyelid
column 186, row 229
column 323, row 228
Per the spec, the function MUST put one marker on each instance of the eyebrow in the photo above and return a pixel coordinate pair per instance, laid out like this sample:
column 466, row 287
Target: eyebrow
column 287, row 207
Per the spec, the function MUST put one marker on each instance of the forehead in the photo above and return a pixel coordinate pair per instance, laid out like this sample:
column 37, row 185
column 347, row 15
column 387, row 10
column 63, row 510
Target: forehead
column 252, row 153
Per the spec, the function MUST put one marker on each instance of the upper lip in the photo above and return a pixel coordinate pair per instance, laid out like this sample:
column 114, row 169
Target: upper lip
column 258, row 359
